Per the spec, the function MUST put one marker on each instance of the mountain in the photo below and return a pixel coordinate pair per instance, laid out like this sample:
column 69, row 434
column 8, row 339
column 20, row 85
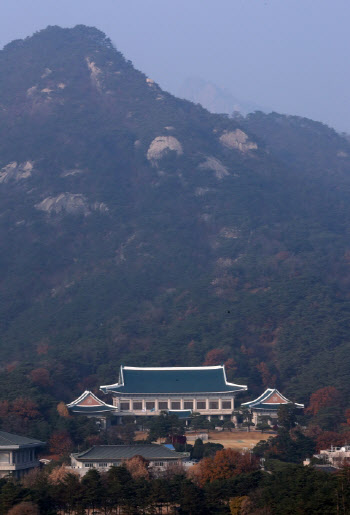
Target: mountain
column 139, row 228
column 214, row 98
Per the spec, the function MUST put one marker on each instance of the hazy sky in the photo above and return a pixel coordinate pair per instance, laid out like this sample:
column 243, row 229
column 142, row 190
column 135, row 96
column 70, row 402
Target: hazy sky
column 290, row 55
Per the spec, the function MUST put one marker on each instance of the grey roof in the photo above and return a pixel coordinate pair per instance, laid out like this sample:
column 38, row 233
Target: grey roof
column 125, row 452
column 172, row 380
column 11, row 440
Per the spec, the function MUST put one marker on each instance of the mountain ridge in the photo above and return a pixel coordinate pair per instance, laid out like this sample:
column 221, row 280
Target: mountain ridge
column 141, row 228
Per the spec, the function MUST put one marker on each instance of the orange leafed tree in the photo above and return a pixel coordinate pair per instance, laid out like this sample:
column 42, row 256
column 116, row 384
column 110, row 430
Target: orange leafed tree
column 328, row 438
column 215, row 357
column 323, row 398
column 60, row 443
column 225, row 464
column 62, row 410
column 59, row 474
column 137, row 466
column 24, row 408
column 24, row 508
column 267, row 378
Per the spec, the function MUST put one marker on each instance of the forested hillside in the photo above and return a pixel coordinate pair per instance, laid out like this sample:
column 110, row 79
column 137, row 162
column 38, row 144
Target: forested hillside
column 138, row 228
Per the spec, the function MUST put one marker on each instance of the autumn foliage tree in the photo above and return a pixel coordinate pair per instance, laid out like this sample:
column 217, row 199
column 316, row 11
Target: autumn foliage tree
column 138, row 467
column 328, row 438
column 62, row 410
column 24, row 508
column 215, row 357
column 323, row 398
column 226, row 464
column 17, row 415
column 60, row 443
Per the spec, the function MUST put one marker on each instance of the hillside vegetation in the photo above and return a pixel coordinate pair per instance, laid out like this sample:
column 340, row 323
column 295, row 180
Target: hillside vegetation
column 138, row 228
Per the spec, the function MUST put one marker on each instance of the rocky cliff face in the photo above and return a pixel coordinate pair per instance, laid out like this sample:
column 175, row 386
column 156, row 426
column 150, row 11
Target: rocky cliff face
column 140, row 228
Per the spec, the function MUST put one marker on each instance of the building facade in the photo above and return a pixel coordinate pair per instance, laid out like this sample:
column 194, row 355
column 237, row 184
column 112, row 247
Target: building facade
column 267, row 406
column 103, row 457
column 142, row 391
column 18, row 454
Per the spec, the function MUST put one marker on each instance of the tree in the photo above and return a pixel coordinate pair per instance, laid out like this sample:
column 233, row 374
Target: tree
column 138, row 467
column 126, row 432
column 286, row 416
column 93, row 491
column 198, row 450
column 10, row 494
column 62, row 410
column 323, row 398
column 40, row 377
column 24, row 508
column 247, row 416
column 226, row 464
column 263, row 424
column 61, row 443
column 163, row 426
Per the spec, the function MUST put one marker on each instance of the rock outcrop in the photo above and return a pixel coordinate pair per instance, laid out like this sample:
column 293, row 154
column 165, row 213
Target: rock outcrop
column 237, row 140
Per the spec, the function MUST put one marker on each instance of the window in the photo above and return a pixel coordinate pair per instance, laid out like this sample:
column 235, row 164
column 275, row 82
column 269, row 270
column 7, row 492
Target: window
column 201, row 405
column 162, row 404
column 159, row 463
column 226, row 405
column 175, row 405
column 4, row 457
column 137, row 405
column 88, row 465
column 125, row 406
column 103, row 465
column 150, row 405
column 188, row 405
column 213, row 405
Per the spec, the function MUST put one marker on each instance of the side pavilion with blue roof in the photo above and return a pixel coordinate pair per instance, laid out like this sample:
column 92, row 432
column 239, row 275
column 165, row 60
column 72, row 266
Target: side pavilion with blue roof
column 267, row 404
column 91, row 406
column 144, row 391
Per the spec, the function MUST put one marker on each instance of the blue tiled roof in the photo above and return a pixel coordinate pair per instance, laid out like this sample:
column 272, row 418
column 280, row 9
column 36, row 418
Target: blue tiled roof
column 89, row 410
column 261, row 401
column 96, row 406
column 172, row 380
column 181, row 413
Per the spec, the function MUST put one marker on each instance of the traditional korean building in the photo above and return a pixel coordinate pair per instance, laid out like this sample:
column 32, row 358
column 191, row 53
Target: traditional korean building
column 103, row 457
column 267, row 405
column 91, row 406
column 148, row 391
column 18, row 454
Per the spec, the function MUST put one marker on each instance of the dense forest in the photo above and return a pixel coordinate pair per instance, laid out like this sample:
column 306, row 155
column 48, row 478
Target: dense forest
column 140, row 229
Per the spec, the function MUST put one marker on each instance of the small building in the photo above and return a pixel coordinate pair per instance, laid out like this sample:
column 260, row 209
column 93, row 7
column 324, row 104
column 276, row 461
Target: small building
column 335, row 456
column 103, row 457
column 91, row 406
column 267, row 405
column 146, row 391
column 18, row 454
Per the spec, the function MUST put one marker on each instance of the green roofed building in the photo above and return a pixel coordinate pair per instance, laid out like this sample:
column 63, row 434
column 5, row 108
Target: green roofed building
column 142, row 391
column 91, row 406
column 267, row 405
